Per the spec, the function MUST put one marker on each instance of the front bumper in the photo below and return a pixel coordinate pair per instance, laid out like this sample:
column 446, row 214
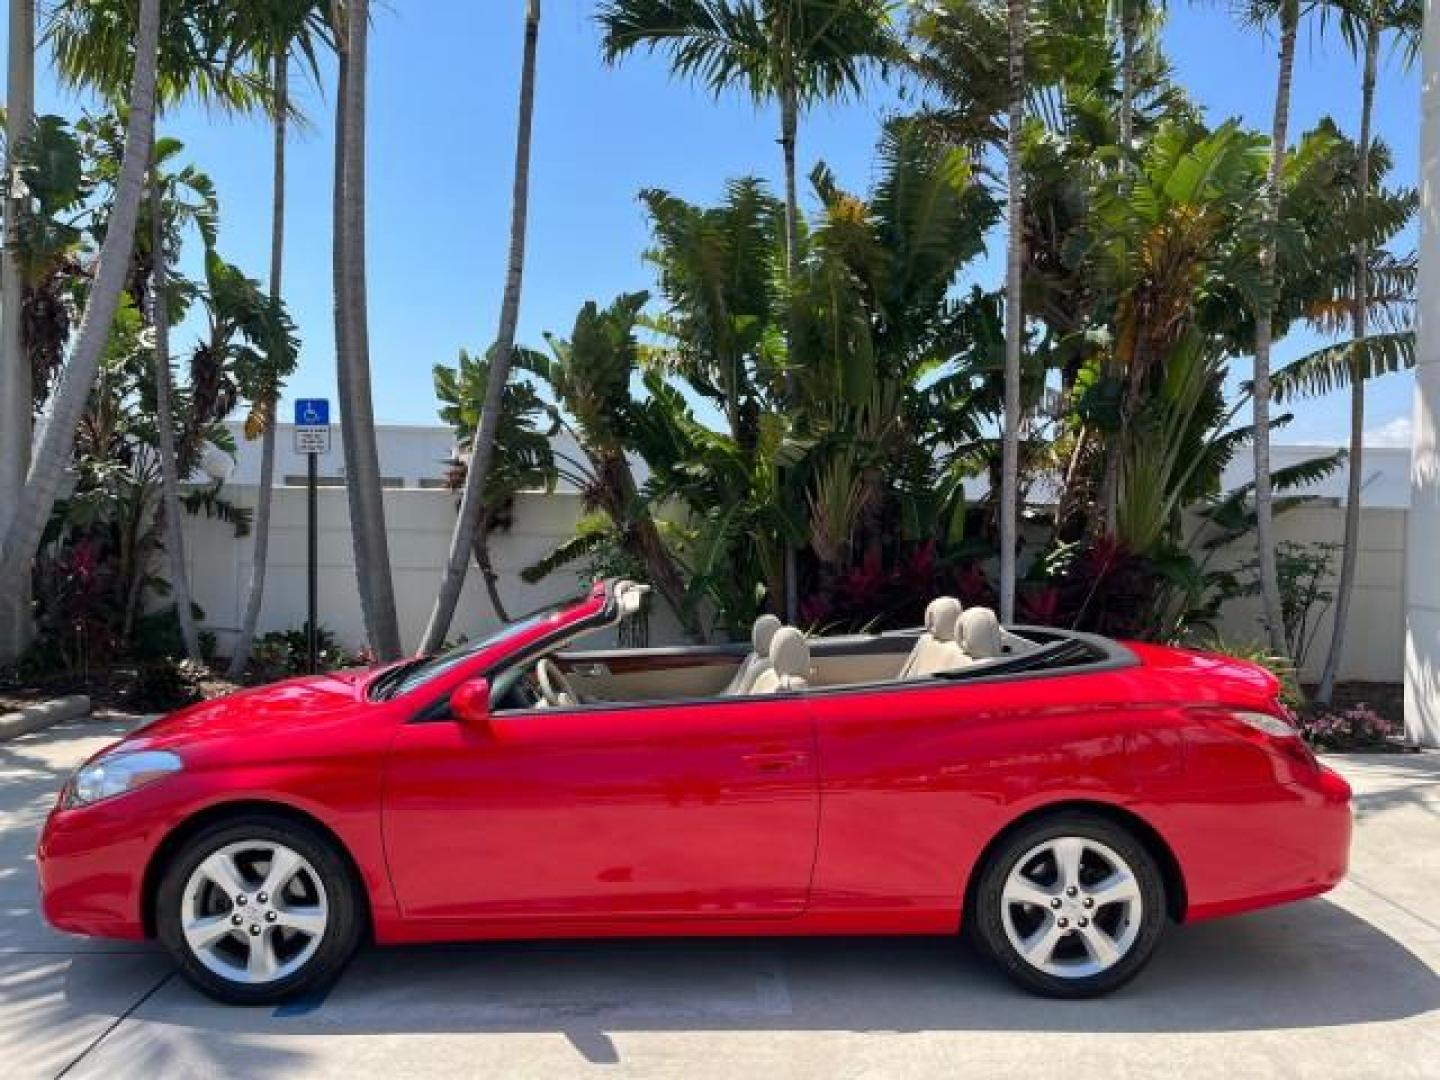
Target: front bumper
column 91, row 863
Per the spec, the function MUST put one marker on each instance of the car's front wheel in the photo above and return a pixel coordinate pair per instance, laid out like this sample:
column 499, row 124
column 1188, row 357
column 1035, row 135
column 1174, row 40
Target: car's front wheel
column 258, row 910
column 1070, row 906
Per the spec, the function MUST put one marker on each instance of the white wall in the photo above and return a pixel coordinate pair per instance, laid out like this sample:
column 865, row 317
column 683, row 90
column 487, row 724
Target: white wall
column 416, row 455
column 420, row 522
column 1386, row 482
column 411, row 455
column 1375, row 637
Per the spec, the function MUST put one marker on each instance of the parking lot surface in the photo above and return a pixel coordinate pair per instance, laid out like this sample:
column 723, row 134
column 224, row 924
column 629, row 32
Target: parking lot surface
column 1346, row 986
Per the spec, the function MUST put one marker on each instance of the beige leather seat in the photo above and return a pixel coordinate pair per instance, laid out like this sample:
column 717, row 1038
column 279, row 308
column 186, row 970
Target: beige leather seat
column 789, row 664
column 761, row 636
column 980, row 635
column 937, row 649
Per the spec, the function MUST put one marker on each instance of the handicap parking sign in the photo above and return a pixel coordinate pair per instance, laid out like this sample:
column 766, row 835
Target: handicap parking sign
column 312, row 426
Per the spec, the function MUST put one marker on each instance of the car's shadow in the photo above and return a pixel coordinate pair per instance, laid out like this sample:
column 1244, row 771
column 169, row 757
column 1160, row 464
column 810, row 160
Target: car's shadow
column 1309, row 965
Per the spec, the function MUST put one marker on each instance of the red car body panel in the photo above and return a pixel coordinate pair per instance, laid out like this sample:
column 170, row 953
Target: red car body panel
column 853, row 810
column 626, row 813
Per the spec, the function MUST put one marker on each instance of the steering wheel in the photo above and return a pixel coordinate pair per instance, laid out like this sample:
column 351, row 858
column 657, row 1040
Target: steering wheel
column 554, row 686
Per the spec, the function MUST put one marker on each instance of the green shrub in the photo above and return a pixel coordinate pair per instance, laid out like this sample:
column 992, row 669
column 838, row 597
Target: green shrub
column 1281, row 667
column 282, row 654
column 157, row 636
column 163, row 685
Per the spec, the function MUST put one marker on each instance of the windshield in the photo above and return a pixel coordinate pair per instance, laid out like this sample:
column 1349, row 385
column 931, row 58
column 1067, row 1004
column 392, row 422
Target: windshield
column 417, row 672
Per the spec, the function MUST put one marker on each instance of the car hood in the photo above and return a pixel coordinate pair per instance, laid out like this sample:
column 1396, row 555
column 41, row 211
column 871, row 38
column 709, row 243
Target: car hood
column 289, row 705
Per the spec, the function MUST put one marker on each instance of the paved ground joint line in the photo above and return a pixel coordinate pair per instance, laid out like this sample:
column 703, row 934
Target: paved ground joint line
column 1353, row 880
column 75, row 952
column 115, row 1024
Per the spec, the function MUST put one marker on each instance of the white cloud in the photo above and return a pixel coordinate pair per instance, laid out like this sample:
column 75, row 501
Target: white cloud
column 1397, row 432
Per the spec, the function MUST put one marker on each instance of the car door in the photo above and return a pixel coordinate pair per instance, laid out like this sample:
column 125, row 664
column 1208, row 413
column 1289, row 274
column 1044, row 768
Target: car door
column 681, row 810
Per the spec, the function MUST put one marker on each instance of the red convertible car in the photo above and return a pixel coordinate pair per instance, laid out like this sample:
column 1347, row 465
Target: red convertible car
column 1059, row 796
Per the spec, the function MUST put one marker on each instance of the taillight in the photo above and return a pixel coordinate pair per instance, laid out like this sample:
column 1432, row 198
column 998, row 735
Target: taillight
column 1281, row 734
column 1266, row 723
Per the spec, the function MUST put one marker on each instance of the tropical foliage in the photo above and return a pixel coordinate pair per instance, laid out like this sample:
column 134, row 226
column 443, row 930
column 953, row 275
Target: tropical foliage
column 844, row 407
column 100, row 595
column 826, row 404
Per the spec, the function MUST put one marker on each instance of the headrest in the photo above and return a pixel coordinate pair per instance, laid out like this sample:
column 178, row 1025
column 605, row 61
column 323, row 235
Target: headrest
column 941, row 617
column 790, row 654
column 980, row 634
column 763, row 632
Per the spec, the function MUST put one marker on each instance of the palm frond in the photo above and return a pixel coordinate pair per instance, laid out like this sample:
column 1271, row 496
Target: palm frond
column 1333, row 366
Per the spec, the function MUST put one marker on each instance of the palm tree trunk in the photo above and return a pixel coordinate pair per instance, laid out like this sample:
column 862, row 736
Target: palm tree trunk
column 665, row 576
column 1350, row 552
column 1065, row 505
column 165, row 425
column 1014, row 316
column 472, row 499
column 342, row 323
column 789, row 128
column 487, row 568
column 15, row 382
column 1107, row 517
column 1129, row 31
column 53, row 456
column 643, row 539
column 137, row 572
column 1264, row 512
column 240, row 659
column 362, row 458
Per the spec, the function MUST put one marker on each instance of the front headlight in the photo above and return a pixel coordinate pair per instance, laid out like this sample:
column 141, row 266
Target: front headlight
column 119, row 773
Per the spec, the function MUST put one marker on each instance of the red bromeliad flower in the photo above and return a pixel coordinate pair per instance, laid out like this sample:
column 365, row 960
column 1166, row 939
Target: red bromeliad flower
column 974, row 587
column 1040, row 605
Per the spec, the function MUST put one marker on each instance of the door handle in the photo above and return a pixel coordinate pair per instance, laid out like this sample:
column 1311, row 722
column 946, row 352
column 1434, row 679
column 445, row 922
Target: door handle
column 774, row 763
column 589, row 670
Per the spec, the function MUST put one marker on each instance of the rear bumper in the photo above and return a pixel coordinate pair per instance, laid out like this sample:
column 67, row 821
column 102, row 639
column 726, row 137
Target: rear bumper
column 1289, row 843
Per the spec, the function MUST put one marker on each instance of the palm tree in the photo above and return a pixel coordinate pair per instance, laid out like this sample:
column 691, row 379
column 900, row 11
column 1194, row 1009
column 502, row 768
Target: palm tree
column 1362, row 24
column 165, row 418
column 53, row 454
column 196, row 58
column 352, row 336
column 15, row 389
column 472, row 500
column 1132, row 16
column 1288, row 14
column 796, row 53
column 1018, row 11
column 590, row 375
column 1128, row 14
column 524, row 455
column 283, row 29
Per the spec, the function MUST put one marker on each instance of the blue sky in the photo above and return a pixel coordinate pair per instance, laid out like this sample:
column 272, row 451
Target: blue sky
column 442, row 103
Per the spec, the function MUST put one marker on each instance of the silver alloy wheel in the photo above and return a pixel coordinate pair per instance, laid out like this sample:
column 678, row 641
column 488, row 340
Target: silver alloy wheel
column 1071, row 907
column 254, row 911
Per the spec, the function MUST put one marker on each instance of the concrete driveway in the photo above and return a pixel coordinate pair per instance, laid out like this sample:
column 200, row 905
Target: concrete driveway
column 1348, row 986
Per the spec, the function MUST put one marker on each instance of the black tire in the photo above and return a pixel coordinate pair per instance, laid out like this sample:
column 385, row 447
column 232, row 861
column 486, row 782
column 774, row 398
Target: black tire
column 987, row 921
column 344, row 921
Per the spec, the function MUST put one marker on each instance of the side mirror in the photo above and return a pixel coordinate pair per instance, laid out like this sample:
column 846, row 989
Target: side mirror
column 470, row 703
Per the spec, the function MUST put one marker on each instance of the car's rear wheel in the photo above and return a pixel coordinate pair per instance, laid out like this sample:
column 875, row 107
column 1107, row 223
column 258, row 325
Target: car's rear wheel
column 258, row 910
column 1070, row 906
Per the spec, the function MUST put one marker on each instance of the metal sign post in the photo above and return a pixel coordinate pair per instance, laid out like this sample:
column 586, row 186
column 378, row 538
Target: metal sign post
column 312, row 438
